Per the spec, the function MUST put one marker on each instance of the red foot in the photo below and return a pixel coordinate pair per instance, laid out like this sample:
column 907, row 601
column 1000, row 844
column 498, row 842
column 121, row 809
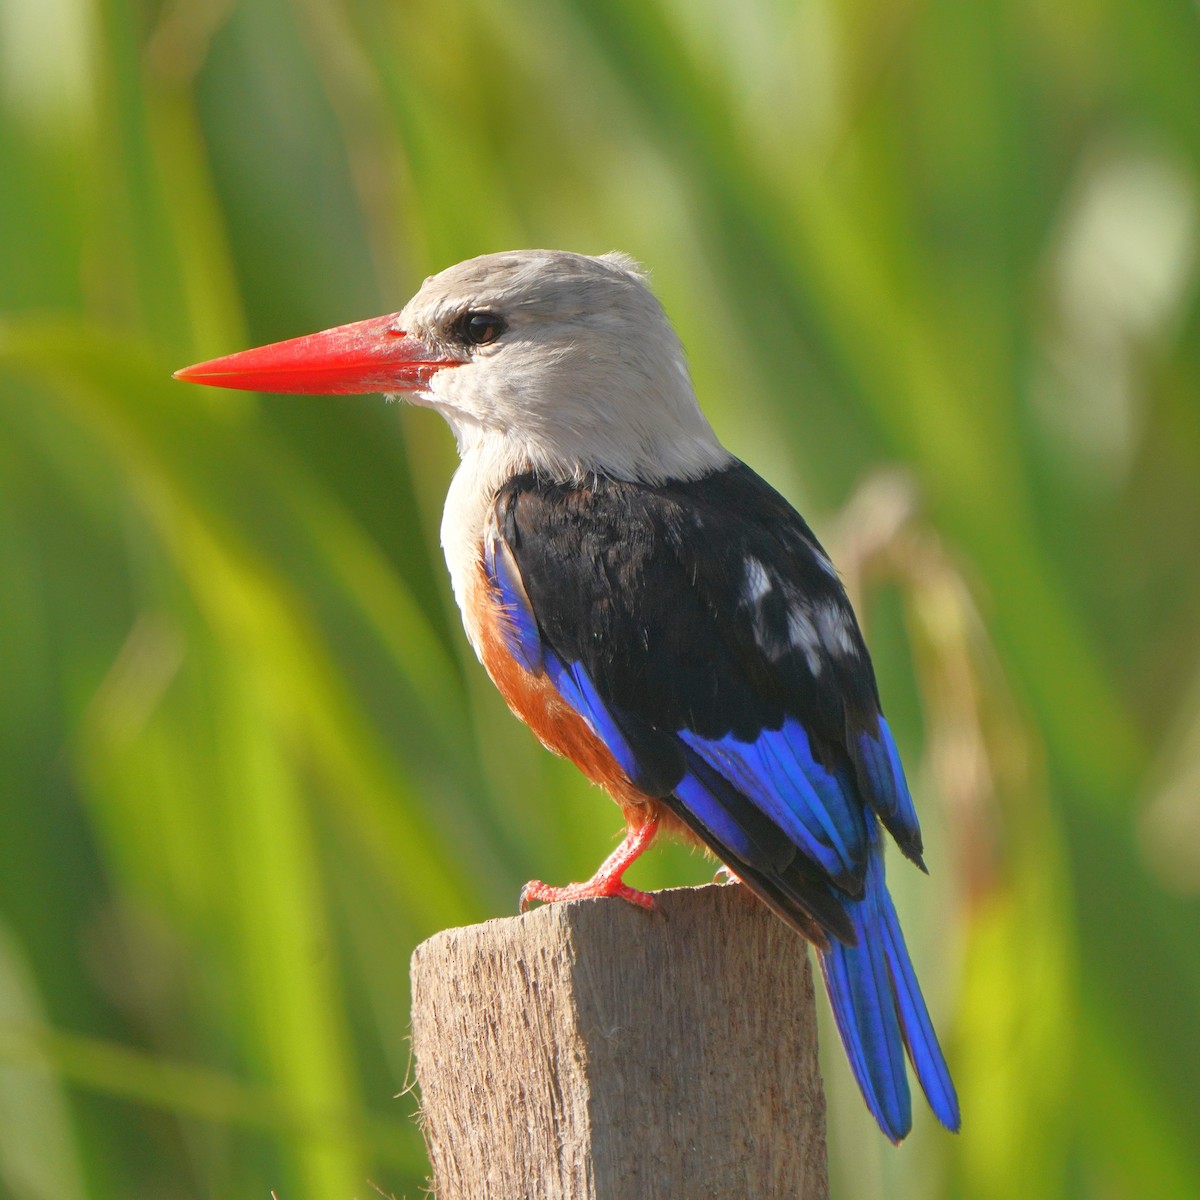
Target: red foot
column 725, row 875
column 607, row 880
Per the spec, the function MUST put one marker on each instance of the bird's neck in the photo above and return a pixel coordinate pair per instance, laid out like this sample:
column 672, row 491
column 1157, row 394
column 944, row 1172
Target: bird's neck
column 576, row 451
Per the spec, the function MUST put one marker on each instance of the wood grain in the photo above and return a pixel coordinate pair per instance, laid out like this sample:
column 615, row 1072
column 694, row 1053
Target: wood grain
column 594, row 1051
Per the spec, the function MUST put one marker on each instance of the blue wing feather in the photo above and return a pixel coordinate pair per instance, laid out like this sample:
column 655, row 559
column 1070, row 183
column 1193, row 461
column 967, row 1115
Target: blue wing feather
column 887, row 789
column 778, row 773
column 575, row 686
column 705, row 804
column 518, row 624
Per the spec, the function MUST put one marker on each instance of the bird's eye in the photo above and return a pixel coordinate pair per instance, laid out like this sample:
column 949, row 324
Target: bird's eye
column 478, row 328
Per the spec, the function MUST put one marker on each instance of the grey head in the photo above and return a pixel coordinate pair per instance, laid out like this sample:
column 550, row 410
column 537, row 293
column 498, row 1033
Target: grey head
column 568, row 365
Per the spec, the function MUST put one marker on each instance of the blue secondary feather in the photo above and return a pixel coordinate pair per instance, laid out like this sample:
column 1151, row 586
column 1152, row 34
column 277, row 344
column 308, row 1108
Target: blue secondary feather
column 887, row 788
column 518, row 625
column 575, row 686
column 778, row 773
column 703, row 800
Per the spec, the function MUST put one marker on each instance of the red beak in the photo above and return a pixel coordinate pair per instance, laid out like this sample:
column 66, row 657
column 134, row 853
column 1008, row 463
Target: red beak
column 368, row 356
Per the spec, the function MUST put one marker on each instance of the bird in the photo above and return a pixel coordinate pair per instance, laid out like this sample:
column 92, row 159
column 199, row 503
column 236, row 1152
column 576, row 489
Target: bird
column 655, row 612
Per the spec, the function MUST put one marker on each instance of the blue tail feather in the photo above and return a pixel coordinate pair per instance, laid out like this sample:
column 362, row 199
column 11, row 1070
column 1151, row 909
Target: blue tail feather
column 880, row 1013
column 919, row 1038
column 860, row 990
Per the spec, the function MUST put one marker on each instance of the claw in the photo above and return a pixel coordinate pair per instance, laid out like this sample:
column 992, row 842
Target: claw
column 725, row 876
column 594, row 889
column 606, row 881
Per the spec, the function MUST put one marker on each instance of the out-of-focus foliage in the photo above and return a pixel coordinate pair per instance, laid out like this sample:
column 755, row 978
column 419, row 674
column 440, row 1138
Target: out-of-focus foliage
column 246, row 760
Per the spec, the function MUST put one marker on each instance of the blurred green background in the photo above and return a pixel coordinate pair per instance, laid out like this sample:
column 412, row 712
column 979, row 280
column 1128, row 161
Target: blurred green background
column 935, row 265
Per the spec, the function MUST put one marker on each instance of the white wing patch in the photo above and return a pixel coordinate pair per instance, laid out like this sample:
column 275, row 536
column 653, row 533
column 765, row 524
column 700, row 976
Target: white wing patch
column 836, row 629
column 757, row 583
column 815, row 630
column 803, row 636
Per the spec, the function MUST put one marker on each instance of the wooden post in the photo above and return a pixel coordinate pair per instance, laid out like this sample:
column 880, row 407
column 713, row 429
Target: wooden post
column 595, row 1051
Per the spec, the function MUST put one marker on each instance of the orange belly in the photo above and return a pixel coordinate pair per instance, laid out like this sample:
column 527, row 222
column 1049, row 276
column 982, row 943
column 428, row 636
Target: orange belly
column 556, row 725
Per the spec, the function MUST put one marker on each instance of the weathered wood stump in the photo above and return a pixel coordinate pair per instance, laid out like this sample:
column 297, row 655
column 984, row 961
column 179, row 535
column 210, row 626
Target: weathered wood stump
column 595, row 1051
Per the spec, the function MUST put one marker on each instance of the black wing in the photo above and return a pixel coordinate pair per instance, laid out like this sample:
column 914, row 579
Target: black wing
column 702, row 631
